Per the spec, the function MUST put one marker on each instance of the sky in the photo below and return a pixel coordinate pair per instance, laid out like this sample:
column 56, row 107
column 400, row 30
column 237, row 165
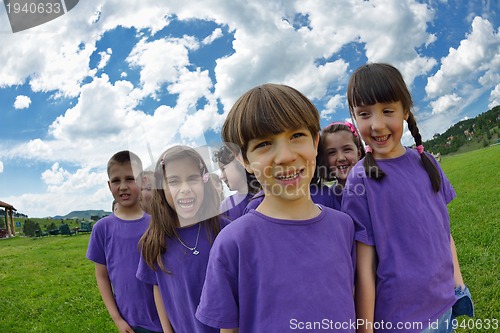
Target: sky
column 145, row 75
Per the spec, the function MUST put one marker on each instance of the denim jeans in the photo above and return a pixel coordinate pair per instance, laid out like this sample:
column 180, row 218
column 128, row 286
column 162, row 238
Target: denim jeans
column 442, row 325
column 463, row 306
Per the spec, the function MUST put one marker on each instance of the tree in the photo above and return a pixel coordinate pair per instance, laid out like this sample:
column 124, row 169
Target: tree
column 30, row 227
column 51, row 226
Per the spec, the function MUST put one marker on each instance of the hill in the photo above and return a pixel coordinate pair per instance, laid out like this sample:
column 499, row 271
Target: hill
column 82, row 215
column 469, row 134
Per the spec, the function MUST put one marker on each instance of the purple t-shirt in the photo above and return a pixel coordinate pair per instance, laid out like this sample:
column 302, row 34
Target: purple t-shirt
column 274, row 276
column 234, row 205
column 409, row 225
column 113, row 243
column 320, row 194
column 181, row 288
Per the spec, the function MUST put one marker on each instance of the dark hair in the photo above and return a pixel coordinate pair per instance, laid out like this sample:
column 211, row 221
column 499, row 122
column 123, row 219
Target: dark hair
column 225, row 156
column 382, row 83
column 164, row 219
column 268, row 109
column 123, row 157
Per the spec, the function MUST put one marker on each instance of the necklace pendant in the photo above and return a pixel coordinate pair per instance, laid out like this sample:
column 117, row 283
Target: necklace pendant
column 196, row 252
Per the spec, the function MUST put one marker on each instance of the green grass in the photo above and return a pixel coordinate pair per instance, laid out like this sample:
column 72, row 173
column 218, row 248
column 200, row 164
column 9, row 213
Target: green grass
column 47, row 285
column 475, row 225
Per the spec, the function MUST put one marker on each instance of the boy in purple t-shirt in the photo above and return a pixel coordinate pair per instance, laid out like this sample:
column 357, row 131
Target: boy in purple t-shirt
column 113, row 246
column 289, row 264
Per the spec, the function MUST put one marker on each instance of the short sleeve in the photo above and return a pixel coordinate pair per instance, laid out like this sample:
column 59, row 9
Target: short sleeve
column 145, row 273
column 96, row 249
column 219, row 298
column 355, row 204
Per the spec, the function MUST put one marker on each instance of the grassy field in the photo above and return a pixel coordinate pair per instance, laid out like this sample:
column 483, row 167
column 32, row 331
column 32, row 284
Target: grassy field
column 475, row 225
column 47, row 285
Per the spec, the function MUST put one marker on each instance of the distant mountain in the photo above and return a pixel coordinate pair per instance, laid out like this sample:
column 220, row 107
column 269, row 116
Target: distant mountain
column 82, row 214
column 469, row 134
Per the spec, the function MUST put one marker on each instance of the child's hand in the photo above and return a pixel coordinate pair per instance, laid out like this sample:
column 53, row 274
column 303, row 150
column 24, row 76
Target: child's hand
column 123, row 326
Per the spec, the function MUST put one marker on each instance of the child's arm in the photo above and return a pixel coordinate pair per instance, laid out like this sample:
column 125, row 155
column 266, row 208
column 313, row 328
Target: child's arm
column 104, row 286
column 160, row 307
column 457, row 273
column 365, row 286
column 228, row 330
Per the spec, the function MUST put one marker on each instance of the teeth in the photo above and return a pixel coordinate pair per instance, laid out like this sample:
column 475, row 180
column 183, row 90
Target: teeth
column 343, row 167
column 185, row 203
column 288, row 177
column 381, row 138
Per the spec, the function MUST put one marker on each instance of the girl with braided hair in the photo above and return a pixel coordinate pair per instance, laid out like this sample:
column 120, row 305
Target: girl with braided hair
column 407, row 267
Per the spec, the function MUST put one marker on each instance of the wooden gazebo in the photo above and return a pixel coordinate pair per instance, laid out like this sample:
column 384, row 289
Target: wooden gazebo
column 9, row 219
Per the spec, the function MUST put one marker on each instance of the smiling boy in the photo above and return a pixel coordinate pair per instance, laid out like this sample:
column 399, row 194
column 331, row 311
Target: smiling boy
column 289, row 259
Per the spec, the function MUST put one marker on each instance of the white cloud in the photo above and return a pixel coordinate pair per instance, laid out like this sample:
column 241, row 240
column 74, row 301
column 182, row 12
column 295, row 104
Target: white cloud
column 22, row 102
column 331, row 106
column 55, row 176
column 1, row 166
column 84, row 189
column 445, row 103
column 99, row 112
column 160, row 61
column 495, row 97
column 105, row 56
column 477, row 54
column 216, row 34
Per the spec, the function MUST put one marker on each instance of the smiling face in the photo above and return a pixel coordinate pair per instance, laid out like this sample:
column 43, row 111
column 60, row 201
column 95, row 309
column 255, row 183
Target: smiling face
column 381, row 127
column 341, row 153
column 123, row 186
column 184, row 189
column 284, row 163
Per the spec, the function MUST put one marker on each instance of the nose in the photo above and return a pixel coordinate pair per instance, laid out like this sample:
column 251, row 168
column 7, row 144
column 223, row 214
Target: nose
column 185, row 188
column 340, row 156
column 377, row 122
column 284, row 154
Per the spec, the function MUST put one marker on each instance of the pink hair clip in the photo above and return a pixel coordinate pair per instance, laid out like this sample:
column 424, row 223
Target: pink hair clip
column 206, row 177
column 420, row 149
column 368, row 149
column 348, row 124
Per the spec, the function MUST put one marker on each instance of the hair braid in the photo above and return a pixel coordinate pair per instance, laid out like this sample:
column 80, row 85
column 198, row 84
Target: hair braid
column 371, row 167
column 429, row 166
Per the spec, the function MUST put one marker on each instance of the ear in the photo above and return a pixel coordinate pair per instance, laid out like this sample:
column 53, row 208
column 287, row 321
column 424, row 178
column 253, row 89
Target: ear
column 406, row 115
column 243, row 162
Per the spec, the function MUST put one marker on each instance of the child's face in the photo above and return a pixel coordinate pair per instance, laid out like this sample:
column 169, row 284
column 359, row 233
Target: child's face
column 233, row 174
column 123, row 186
column 284, row 163
column 341, row 153
column 381, row 126
column 184, row 189
column 147, row 194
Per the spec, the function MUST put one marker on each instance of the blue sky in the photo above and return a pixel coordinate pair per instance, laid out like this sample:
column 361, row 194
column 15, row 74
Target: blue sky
column 113, row 75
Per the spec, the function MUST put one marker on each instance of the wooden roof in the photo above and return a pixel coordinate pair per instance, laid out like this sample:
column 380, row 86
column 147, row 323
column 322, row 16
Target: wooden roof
column 7, row 206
